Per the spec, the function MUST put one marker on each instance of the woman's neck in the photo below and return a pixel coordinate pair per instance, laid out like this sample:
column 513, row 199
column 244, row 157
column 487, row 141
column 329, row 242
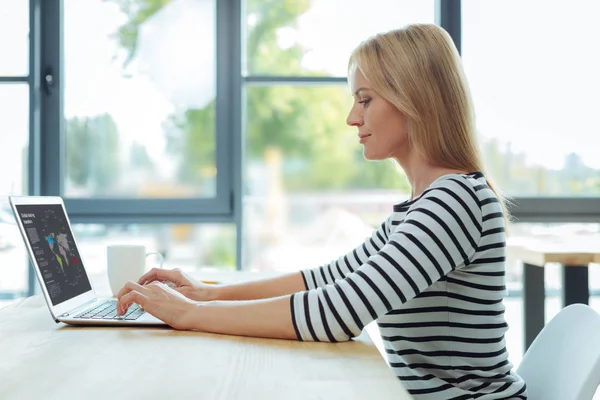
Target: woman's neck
column 422, row 174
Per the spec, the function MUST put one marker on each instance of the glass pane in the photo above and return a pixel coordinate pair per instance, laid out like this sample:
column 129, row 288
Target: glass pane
column 14, row 143
column 140, row 98
column 315, row 38
column 309, row 191
column 14, row 38
column 195, row 249
column 536, row 89
column 14, row 138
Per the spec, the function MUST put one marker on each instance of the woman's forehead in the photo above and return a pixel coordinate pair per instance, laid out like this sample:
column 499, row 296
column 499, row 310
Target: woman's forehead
column 357, row 81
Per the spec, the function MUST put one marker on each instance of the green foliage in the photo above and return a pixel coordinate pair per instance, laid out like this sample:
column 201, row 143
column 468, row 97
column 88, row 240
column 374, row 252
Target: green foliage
column 137, row 12
column 264, row 54
column 92, row 147
column 191, row 138
column 305, row 123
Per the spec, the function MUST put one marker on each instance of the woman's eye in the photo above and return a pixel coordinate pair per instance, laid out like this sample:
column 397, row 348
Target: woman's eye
column 365, row 102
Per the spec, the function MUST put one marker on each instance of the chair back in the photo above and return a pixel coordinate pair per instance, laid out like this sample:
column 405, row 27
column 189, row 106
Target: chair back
column 563, row 362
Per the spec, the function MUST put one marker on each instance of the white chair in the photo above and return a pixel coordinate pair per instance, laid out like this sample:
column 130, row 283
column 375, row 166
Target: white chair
column 563, row 362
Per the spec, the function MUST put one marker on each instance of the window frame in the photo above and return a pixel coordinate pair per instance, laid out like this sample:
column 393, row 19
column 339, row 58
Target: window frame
column 217, row 208
column 30, row 79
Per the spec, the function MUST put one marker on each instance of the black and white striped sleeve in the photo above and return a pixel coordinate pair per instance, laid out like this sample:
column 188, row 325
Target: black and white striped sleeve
column 338, row 269
column 439, row 233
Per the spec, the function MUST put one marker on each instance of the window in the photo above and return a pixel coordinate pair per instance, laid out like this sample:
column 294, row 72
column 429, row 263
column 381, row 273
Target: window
column 536, row 89
column 14, row 143
column 14, row 38
column 140, row 99
column 14, row 138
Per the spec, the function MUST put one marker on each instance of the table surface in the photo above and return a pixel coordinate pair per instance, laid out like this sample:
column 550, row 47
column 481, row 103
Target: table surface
column 569, row 251
column 42, row 359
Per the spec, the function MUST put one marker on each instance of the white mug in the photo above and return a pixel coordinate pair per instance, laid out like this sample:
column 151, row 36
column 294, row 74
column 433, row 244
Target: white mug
column 126, row 263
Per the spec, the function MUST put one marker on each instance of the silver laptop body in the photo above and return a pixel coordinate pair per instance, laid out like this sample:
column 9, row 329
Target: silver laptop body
column 48, row 237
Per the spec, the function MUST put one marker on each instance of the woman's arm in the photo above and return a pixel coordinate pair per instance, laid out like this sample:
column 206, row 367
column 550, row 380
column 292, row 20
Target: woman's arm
column 270, row 318
column 340, row 268
column 273, row 287
column 195, row 289
column 267, row 318
column 306, row 279
column 261, row 289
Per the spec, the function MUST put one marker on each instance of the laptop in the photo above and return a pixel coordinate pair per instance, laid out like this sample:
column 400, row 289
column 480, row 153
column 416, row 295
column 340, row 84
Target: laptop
column 60, row 270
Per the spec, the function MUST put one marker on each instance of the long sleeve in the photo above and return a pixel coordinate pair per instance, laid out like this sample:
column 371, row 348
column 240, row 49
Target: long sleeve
column 440, row 232
column 338, row 269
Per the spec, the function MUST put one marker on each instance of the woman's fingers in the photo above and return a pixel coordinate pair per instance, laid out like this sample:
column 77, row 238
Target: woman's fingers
column 159, row 300
column 125, row 295
column 128, row 299
column 153, row 275
column 129, row 286
column 159, row 274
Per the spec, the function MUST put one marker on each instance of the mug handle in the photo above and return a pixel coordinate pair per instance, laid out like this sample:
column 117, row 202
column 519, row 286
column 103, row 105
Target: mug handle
column 159, row 255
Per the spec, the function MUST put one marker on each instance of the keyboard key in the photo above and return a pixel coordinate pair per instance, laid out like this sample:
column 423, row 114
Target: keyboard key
column 108, row 310
column 110, row 315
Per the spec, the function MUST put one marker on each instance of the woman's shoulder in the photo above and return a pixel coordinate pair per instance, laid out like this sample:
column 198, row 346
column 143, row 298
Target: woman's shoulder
column 454, row 195
column 465, row 186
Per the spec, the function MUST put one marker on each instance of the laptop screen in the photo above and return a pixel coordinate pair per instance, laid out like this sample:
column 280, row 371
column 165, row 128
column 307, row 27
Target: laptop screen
column 55, row 252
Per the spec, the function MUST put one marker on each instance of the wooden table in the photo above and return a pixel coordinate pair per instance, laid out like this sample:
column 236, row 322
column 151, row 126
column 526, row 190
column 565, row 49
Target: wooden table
column 42, row 359
column 574, row 256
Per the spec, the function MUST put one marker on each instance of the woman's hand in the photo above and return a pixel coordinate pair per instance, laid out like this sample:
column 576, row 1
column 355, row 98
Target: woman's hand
column 159, row 300
column 181, row 282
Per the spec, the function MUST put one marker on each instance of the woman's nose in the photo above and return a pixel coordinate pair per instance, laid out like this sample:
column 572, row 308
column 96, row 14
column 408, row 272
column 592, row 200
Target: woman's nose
column 354, row 119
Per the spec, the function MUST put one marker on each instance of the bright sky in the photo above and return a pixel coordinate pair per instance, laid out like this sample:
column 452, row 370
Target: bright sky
column 532, row 66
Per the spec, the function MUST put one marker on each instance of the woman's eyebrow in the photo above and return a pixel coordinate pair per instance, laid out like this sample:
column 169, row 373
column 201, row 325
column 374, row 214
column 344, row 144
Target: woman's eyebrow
column 357, row 91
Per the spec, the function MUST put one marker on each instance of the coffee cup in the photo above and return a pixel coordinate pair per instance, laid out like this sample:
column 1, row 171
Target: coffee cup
column 126, row 263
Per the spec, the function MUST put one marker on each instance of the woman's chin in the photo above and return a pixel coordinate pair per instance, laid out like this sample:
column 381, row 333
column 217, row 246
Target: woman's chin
column 372, row 157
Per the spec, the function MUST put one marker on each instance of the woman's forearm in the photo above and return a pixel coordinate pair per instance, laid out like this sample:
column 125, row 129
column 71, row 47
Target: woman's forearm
column 261, row 289
column 267, row 318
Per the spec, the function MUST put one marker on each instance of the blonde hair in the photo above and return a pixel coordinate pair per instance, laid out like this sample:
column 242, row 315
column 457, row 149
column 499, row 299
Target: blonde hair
column 419, row 71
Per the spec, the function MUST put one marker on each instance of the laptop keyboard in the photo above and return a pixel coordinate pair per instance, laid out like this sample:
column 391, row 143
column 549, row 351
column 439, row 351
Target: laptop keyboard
column 108, row 310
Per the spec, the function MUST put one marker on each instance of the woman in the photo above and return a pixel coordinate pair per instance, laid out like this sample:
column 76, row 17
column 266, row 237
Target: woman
column 432, row 275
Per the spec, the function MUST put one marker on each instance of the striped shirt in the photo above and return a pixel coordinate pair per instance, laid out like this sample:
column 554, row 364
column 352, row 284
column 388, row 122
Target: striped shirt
column 433, row 277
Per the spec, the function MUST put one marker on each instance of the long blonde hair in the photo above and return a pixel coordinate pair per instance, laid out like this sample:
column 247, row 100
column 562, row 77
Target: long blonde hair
column 418, row 69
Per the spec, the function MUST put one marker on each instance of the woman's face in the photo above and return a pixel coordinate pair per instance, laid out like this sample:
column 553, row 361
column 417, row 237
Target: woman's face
column 381, row 126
